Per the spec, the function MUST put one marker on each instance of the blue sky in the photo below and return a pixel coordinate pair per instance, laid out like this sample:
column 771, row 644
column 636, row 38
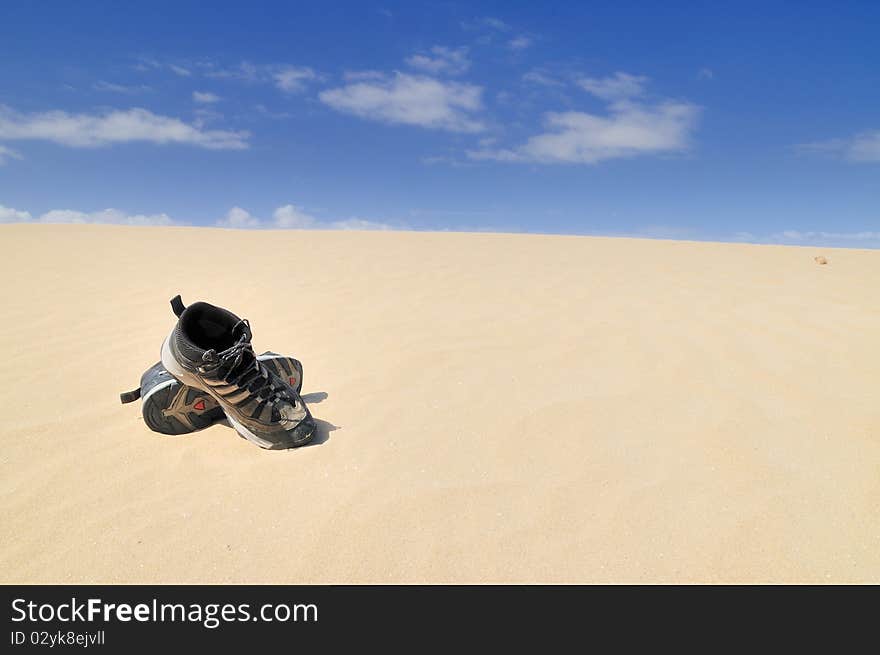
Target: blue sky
column 724, row 121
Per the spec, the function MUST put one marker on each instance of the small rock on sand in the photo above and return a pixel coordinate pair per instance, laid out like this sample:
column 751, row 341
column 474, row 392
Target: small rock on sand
column 820, row 260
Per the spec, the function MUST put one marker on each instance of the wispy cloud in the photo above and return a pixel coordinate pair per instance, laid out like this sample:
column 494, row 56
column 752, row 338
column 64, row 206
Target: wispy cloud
column 244, row 71
column 285, row 217
column 239, row 218
column 112, row 216
column 204, row 116
column 446, row 160
column 101, row 85
column 628, row 130
column 292, row 79
column 287, row 78
column 205, row 97
column 620, row 86
column 355, row 223
column 489, row 30
column 410, row 100
column 292, row 217
column 452, row 61
column 10, row 215
column 631, row 127
column 358, row 76
column 862, row 147
column 520, row 42
column 705, row 74
column 541, row 78
column 268, row 113
column 108, row 216
column 145, row 64
column 113, row 126
column 7, row 153
column 150, row 63
column 486, row 22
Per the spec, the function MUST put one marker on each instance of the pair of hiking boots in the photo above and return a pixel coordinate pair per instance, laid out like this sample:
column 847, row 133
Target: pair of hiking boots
column 209, row 373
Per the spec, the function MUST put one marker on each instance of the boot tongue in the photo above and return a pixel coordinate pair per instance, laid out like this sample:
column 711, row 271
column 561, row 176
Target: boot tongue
column 238, row 359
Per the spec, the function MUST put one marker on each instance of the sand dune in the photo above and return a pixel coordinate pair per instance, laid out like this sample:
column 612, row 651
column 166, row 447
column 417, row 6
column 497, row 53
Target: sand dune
column 494, row 408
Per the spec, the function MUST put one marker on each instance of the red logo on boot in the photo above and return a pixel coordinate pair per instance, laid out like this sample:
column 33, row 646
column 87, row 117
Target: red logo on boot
column 200, row 405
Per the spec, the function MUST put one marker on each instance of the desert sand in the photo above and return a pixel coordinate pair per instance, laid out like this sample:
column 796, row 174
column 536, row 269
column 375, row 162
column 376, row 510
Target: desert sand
column 493, row 408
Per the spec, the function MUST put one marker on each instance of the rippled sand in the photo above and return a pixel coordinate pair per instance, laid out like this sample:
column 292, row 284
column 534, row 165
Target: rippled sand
column 494, row 408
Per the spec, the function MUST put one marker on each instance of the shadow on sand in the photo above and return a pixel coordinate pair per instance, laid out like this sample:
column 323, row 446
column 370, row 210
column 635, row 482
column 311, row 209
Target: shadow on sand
column 324, row 428
column 322, row 433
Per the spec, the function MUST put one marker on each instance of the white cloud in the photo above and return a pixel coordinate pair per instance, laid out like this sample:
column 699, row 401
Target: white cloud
column 495, row 24
column 359, row 224
column 621, row 86
column 284, row 217
column 536, row 76
column 265, row 111
column 292, row 79
column 10, row 215
column 205, row 97
column 486, row 22
column 101, row 85
column 446, row 160
column 628, row 130
column 114, row 126
column 148, row 63
column 245, row 71
column 410, row 100
column 287, row 78
column 441, row 60
column 863, row 147
column 350, row 76
column 180, row 70
column 205, row 116
column 7, row 153
column 239, row 218
column 519, row 43
column 111, row 216
column 291, row 216
column 705, row 74
column 629, row 127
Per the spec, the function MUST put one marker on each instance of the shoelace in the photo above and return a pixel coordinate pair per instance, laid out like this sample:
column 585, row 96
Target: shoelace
column 240, row 366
